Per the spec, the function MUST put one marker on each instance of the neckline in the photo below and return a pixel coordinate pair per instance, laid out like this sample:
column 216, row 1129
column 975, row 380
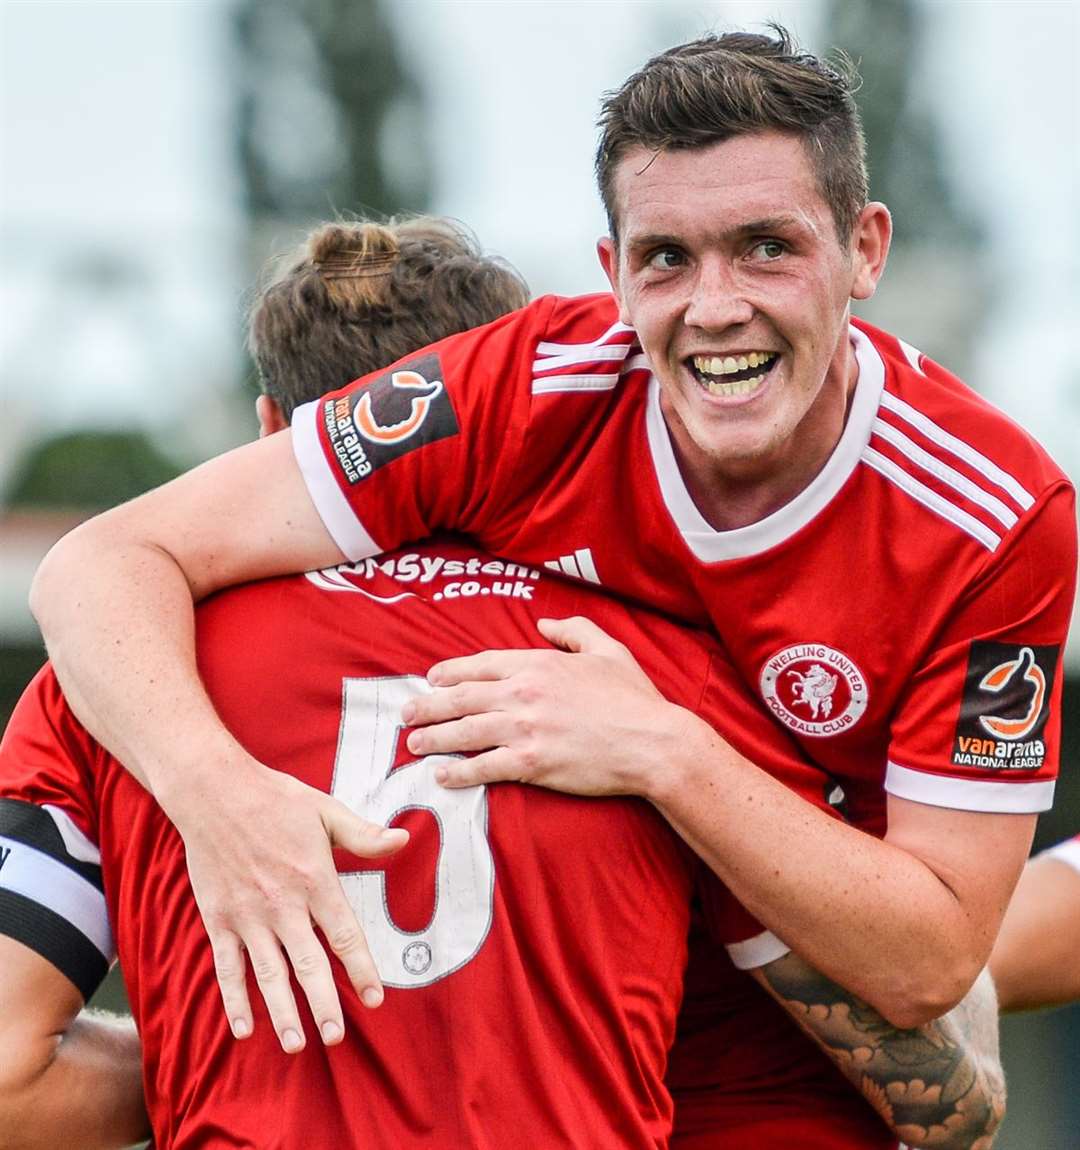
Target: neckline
column 712, row 546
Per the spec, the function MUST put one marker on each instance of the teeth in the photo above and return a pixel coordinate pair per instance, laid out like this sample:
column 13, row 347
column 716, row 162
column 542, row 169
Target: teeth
column 728, row 365
column 743, row 387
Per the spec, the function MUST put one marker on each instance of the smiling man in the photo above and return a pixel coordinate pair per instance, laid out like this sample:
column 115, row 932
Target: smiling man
column 871, row 541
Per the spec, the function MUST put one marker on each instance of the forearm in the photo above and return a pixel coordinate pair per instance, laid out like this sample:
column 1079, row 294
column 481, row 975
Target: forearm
column 940, row 1086
column 82, row 1088
column 122, row 644
column 862, row 911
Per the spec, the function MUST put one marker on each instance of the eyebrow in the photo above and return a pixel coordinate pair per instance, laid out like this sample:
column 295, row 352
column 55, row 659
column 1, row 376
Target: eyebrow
column 765, row 225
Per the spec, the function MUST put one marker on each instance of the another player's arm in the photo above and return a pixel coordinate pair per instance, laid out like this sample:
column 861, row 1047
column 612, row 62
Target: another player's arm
column 940, row 1086
column 66, row 1078
column 906, row 923
column 115, row 603
column 1036, row 959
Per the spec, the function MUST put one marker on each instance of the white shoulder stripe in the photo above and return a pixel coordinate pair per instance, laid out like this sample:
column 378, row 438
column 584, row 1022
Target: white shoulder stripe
column 757, row 951
column 338, row 517
column 944, row 472
column 1018, row 798
column 568, row 348
column 552, row 383
column 931, row 500
column 959, row 448
column 912, row 355
column 1066, row 852
column 637, row 363
column 584, row 355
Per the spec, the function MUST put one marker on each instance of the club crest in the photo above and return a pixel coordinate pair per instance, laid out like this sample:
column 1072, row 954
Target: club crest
column 813, row 689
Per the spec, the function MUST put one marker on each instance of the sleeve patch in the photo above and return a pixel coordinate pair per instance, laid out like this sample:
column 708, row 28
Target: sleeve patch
column 394, row 414
column 1005, row 707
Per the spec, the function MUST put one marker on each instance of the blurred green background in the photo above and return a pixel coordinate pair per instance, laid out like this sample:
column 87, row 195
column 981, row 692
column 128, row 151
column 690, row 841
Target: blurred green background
column 190, row 141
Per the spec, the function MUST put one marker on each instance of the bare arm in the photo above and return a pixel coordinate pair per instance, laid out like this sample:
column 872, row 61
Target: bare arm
column 1036, row 959
column 66, row 1079
column 907, row 924
column 115, row 603
column 939, row 1086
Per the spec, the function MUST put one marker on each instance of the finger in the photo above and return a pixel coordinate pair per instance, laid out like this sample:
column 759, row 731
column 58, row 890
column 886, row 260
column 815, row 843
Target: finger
column 472, row 733
column 229, row 968
column 494, row 766
column 334, row 916
column 359, row 836
column 580, row 635
column 481, row 667
column 315, row 977
column 446, row 703
column 272, row 976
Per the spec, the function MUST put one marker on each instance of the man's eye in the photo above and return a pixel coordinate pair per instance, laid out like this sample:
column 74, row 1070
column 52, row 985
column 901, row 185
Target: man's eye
column 767, row 250
column 666, row 258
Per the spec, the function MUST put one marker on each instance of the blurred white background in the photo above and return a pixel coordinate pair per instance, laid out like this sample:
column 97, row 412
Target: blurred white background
column 153, row 154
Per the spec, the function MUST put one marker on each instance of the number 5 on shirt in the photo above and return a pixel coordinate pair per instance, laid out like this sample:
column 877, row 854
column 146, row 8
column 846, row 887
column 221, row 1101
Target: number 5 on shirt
column 465, row 871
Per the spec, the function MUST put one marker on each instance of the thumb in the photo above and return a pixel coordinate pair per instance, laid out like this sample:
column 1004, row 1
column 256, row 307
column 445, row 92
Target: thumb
column 360, row 836
column 581, row 636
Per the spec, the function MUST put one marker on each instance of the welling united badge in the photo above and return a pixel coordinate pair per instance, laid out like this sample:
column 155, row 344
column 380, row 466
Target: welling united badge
column 813, row 689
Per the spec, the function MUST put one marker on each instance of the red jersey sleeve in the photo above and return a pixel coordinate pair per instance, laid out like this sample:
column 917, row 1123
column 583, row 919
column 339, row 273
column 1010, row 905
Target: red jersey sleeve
column 51, row 892
column 979, row 725
column 428, row 443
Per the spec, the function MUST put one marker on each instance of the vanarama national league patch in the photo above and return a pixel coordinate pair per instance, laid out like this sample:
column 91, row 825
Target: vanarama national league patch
column 392, row 415
column 1005, row 706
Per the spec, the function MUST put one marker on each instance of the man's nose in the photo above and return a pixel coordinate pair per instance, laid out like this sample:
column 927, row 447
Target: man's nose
column 717, row 299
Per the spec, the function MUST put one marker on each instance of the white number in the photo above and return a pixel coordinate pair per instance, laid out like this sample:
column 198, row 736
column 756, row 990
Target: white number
column 465, row 872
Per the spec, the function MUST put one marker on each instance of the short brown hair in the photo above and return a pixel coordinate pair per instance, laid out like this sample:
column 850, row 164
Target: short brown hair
column 717, row 87
column 358, row 296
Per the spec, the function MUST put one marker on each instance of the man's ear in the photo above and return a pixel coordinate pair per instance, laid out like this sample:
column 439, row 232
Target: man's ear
column 270, row 416
column 608, row 254
column 870, row 248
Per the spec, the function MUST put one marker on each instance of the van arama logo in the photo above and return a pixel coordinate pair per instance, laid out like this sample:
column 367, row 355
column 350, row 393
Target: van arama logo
column 813, row 689
column 1005, row 706
column 389, row 417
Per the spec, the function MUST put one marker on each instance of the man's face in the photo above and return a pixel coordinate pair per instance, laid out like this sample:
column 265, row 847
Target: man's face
column 729, row 266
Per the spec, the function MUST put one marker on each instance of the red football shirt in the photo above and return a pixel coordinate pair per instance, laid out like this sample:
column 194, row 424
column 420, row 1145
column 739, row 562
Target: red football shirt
column 532, row 944
column 903, row 616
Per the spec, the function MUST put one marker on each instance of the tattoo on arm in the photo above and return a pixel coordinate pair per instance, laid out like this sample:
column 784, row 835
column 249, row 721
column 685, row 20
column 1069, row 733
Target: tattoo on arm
column 939, row 1086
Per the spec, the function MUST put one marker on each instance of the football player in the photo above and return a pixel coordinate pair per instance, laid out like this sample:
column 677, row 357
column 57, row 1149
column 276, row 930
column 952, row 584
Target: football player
column 480, row 914
column 889, row 561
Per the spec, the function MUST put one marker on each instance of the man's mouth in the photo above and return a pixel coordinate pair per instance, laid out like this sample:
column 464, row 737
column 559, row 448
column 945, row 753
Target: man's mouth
column 733, row 374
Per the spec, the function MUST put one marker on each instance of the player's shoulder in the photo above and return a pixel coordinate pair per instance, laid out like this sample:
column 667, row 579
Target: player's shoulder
column 931, row 415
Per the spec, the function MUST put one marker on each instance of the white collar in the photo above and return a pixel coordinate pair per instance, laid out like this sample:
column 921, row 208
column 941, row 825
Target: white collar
column 711, row 546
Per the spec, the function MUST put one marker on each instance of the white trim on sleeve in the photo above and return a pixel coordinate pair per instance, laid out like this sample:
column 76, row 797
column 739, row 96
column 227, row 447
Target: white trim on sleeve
column 338, row 517
column 757, row 951
column 1066, row 852
column 50, row 884
column 1017, row 798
